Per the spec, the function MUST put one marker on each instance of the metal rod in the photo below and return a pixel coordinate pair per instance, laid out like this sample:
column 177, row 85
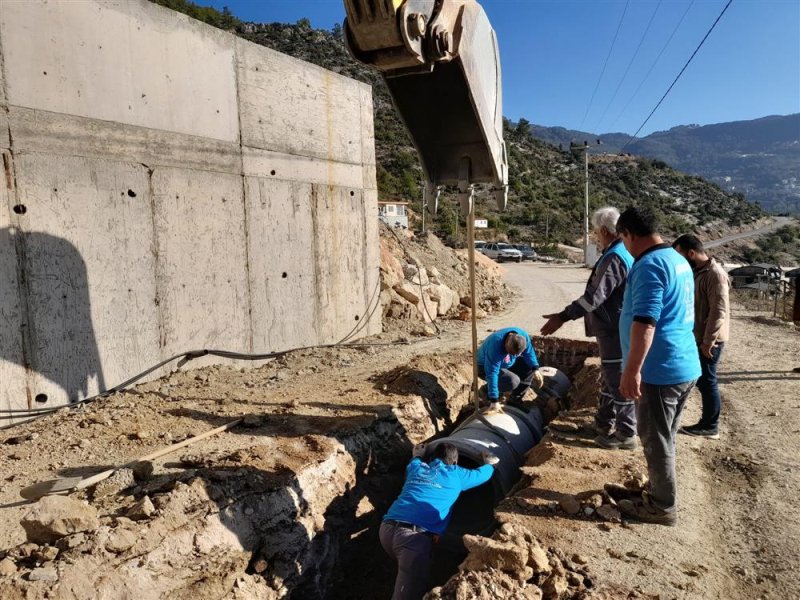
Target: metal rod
column 586, row 209
column 473, row 307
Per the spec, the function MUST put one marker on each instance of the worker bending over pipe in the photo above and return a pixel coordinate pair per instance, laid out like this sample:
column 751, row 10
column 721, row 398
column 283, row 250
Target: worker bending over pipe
column 422, row 511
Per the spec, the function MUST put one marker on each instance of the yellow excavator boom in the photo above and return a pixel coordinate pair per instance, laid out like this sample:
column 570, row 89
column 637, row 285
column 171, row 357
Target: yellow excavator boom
column 441, row 63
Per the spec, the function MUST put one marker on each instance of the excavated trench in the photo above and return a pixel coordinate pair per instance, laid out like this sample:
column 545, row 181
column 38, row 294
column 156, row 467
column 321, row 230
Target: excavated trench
column 364, row 571
column 252, row 520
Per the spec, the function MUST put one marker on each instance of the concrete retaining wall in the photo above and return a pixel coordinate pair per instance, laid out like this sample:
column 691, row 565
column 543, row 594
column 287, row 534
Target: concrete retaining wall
column 166, row 187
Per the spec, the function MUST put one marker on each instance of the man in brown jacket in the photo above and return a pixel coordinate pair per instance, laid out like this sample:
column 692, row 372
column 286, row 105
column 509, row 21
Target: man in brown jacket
column 711, row 327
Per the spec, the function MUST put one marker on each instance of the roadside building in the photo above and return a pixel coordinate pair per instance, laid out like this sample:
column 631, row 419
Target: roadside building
column 393, row 213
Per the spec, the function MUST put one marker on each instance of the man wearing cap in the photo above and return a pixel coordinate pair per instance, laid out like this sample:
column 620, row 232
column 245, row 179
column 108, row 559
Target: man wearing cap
column 508, row 364
column 422, row 512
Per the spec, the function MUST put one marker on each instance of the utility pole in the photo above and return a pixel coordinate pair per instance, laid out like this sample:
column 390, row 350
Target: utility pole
column 585, row 149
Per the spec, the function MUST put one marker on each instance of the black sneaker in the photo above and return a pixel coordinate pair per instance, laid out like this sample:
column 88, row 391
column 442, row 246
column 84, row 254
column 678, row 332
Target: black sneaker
column 700, row 431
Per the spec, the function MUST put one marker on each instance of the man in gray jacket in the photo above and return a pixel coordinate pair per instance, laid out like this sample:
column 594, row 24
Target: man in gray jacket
column 600, row 307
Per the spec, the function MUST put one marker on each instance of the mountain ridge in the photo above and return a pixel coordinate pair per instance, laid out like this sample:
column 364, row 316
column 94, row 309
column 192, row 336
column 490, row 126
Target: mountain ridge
column 758, row 157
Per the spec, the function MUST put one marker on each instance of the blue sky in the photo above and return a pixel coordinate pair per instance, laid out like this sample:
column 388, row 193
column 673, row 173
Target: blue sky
column 553, row 52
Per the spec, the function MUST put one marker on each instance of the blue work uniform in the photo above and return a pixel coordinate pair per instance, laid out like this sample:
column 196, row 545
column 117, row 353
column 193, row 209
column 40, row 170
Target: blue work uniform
column 660, row 292
column 431, row 490
column 492, row 358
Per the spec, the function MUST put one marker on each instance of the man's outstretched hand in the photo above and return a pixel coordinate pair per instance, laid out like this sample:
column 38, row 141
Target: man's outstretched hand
column 538, row 380
column 489, row 458
column 552, row 325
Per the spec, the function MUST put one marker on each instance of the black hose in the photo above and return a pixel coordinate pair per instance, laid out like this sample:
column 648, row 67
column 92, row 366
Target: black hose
column 185, row 357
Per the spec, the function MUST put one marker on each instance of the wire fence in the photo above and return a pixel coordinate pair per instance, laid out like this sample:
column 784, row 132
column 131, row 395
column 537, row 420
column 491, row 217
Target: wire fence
column 766, row 294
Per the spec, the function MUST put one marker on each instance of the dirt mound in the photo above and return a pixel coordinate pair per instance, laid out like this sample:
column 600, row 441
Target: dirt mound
column 513, row 564
column 423, row 280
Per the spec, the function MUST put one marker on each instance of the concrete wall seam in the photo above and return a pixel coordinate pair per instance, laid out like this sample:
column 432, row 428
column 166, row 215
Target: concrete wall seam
column 171, row 187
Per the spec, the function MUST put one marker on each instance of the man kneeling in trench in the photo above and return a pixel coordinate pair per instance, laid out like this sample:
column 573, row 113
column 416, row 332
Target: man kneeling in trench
column 422, row 512
column 508, row 364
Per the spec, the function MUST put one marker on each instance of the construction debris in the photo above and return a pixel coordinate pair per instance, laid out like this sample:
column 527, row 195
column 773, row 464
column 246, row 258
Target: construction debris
column 413, row 290
column 513, row 564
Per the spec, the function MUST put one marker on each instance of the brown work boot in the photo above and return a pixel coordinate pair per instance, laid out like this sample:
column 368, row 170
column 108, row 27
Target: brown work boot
column 643, row 510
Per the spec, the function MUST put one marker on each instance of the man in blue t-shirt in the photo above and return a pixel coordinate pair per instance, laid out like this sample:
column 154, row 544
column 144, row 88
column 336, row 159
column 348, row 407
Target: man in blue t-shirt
column 508, row 364
column 660, row 363
column 422, row 511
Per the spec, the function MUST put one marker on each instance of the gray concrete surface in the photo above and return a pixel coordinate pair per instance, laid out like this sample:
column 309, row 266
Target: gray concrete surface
column 170, row 187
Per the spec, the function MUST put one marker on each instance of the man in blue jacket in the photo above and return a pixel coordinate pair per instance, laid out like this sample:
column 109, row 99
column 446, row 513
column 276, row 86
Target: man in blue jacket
column 660, row 362
column 508, row 364
column 600, row 307
column 422, row 512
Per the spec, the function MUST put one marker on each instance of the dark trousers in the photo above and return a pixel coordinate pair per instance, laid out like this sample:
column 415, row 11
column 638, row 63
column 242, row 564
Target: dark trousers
column 412, row 551
column 709, row 389
column 614, row 410
column 516, row 380
column 658, row 419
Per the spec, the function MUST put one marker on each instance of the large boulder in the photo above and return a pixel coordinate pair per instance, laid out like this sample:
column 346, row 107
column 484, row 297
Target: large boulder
column 428, row 309
column 444, row 297
column 487, row 553
column 391, row 268
column 409, row 292
column 416, row 275
column 54, row 517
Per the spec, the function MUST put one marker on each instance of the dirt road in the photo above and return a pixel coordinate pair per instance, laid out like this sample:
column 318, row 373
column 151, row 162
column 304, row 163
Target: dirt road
column 777, row 223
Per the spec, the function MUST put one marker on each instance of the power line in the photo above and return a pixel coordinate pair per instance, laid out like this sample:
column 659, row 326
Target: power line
column 653, row 66
column 633, row 137
column 628, row 68
column 610, row 50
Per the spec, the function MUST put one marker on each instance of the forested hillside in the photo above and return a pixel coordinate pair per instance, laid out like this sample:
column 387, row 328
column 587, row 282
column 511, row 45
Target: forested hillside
column 546, row 196
column 759, row 157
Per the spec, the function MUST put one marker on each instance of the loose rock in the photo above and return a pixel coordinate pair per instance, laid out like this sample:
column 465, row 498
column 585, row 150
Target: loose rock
column 486, row 553
column 565, row 426
column 120, row 480
column 537, row 559
column 48, row 574
column 7, row 567
column 45, row 554
column 555, row 585
column 252, row 421
column 120, row 540
column 142, row 470
column 609, row 513
column 53, row 517
column 143, row 509
column 569, row 505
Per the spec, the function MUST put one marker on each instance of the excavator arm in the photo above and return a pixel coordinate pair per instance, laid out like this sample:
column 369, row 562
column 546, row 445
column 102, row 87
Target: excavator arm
column 440, row 61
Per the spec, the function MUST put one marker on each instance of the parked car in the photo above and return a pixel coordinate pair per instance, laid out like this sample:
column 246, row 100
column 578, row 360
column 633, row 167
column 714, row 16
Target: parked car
column 500, row 252
column 479, row 244
column 528, row 253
